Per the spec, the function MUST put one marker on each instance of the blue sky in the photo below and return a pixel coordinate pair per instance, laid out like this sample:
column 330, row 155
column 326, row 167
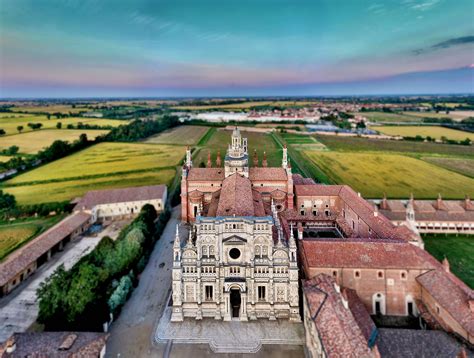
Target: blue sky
column 86, row 48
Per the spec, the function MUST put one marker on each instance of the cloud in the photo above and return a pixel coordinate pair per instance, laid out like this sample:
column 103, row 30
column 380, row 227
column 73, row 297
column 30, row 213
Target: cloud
column 457, row 41
column 425, row 5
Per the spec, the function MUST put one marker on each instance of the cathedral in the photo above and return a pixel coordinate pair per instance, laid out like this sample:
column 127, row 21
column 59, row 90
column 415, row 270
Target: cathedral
column 238, row 262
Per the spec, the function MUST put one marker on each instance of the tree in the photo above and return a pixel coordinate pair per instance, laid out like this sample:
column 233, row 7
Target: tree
column 2, row 132
column 7, row 201
column 59, row 125
column 19, row 129
column 49, row 116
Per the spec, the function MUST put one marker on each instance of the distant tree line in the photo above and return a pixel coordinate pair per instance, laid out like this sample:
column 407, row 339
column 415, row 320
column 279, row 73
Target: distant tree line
column 82, row 297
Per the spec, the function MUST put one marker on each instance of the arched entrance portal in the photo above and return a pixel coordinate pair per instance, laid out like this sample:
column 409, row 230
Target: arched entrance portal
column 235, row 301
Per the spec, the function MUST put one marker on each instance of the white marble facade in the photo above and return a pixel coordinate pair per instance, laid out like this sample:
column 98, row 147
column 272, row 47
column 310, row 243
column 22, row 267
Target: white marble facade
column 231, row 269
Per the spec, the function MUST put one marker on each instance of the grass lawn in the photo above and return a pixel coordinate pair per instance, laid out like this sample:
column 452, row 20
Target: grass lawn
column 460, row 165
column 424, row 131
column 15, row 234
column 352, row 144
column 372, row 174
column 10, row 123
column 259, row 141
column 105, row 159
column 182, row 135
column 70, row 189
column 33, row 142
column 459, row 250
column 388, row 117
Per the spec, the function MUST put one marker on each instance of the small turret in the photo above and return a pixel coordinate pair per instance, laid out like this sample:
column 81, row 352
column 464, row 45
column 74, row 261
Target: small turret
column 384, row 203
column 189, row 243
column 189, row 162
column 255, row 158
column 264, row 161
column 446, row 264
column 218, row 159
column 439, row 202
column 284, row 162
column 177, row 248
column 209, row 163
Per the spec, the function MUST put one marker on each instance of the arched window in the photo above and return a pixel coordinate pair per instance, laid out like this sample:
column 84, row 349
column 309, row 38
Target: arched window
column 204, row 251
column 257, row 251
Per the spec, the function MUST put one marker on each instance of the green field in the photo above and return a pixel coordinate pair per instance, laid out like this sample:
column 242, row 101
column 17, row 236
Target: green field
column 70, row 189
column 182, row 135
column 459, row 250
column 10, row 123
column 4, row 158
column 374, row 174
column 341, row 143
column 15, row 234
column 52, row 108
column 243, row 105
column 105, row 159
column 33, row 142
column 460, row 165
column 424, row 131
column 388, row 117
column 220, row 139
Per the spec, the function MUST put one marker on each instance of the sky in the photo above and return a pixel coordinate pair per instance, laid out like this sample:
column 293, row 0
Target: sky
column 169, row 48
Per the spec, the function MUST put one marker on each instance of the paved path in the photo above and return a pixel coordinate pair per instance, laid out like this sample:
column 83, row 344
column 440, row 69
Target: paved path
column 132, row 335
column 19, row 309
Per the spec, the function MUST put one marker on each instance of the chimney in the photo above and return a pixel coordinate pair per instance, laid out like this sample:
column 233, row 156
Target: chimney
column 446, row 264
column 255, row 158
column 264, row 161
column 209, row 163
column 439, row 202
column 471, row 304
column 467, row 203
column 218, row 159
column 384, row 203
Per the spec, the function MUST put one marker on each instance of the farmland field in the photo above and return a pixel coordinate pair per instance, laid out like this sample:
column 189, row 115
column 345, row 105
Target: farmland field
column 15, row 234
column 388, row 117
column 459, row 250
column 32, row 142
column 340, row 143
column 70, row 189
column 183, row 135
column 10, row 123
column 425, row 131
column 105, row 159
column 460, row 165
column 4, row 158
column 373, row 174
column 53, row 108
column 243, row 105
column 259, row 141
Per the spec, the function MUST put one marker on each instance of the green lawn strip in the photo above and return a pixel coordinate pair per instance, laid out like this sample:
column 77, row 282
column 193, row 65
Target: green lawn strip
column 84, row 177
column 205, row 138
column 459, row 250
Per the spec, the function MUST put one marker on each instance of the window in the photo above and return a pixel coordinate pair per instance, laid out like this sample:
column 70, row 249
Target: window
column 403, row 275
column 209, row 293
column 380, row 274
column 234, row 253
column 302, row 212
column 261, row 293
column 334, row 273
column 357, row 274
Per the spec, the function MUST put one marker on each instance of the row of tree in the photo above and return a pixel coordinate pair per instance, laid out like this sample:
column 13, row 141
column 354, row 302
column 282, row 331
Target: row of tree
column 82, row 297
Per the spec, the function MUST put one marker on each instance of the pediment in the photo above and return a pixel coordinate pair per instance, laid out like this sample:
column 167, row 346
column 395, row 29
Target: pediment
column 234, row 239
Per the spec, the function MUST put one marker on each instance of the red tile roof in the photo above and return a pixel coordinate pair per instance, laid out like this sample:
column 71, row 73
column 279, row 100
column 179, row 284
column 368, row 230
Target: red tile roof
column 360, row 313
column 317, row 190
column 339, row 332
column 236, row 197
column 270, row 174
column 299, row 180
column 365, row 253
column 451, row 294
column 27, row 254
column 97, row 197
column 204, row 174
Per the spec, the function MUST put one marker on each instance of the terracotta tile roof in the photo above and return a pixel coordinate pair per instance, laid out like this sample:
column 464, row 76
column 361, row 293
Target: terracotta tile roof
column 360, row 313
column 298, row 179
column 236, row 197
column 55, row 344
column 27, row 254
column 451, row 294
column 317, row 190
column 366, row 253
column 203, row 174
column 96, row 197
column 338, row 330
column 271, row 174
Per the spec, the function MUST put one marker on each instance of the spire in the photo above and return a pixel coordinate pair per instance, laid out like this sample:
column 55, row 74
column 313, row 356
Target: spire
column 264, row 161
column 218, row 159
column 177, row 241
column 284, row 162
column 412, row 200
column 189, row 162
column 292, row 238
column 446, row 264
column 209, row 163
column 255, row 158
column 280, row 242
column 189, row 244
